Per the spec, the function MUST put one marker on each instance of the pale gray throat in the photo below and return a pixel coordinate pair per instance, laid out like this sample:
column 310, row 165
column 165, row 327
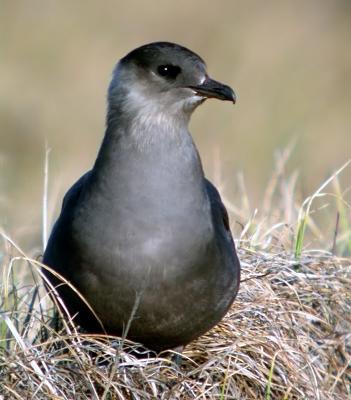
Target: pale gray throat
column 158, row 141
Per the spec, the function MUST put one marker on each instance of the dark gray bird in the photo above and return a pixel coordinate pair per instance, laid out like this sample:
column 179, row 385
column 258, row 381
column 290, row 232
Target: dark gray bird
column 144, row 236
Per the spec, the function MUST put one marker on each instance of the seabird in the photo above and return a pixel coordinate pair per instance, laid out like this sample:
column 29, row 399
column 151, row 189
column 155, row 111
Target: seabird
column 143, row 235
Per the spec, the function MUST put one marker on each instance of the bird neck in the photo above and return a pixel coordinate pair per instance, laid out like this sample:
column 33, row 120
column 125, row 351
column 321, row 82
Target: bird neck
column 148, row 153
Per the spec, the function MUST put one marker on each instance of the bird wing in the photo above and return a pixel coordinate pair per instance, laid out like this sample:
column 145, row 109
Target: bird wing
column 74, row 192
column 217, row 205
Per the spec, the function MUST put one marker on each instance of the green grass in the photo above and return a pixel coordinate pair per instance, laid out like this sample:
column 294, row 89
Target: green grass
column 305, row 212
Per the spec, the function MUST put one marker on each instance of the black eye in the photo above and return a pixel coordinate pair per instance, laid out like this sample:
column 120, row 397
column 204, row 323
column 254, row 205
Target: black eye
column 169, row 71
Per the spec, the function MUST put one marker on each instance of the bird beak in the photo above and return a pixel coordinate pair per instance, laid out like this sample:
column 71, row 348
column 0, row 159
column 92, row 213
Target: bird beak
column 213, row 89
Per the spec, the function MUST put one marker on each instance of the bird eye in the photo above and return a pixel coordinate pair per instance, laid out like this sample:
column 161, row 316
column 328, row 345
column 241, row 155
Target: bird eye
column 169, row 71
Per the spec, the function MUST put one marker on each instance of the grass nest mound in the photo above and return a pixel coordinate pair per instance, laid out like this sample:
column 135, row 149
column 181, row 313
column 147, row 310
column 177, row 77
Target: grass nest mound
column 287, row 336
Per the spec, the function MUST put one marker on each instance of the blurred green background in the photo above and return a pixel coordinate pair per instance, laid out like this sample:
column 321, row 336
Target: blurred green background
column 288, row 61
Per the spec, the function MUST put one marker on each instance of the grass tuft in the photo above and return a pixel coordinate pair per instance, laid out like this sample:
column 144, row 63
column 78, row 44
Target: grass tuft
column 286, row 336
column 306, row 210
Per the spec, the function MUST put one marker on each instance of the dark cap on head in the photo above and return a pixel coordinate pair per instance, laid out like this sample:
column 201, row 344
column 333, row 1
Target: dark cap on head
column 147, row 54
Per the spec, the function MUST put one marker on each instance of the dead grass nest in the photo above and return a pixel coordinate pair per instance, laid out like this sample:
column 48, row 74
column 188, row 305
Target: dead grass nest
column 287, row 336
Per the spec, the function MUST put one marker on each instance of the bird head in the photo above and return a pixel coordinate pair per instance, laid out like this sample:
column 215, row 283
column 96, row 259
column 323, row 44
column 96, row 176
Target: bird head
column 165, row 79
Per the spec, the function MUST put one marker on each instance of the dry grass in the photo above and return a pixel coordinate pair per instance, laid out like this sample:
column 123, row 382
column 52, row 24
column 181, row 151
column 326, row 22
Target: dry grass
column 287, row 335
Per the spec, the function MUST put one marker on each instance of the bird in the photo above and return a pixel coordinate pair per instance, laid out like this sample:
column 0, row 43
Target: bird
column 144, row 236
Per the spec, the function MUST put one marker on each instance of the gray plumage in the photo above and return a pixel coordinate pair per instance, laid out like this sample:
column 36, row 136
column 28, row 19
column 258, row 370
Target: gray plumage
column 144, row 236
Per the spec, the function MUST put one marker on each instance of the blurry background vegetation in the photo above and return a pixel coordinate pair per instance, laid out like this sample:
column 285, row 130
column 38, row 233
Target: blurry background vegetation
column 288, row 61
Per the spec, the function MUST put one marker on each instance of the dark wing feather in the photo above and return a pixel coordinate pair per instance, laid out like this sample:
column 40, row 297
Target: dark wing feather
column 74, row 192
column 217, row 204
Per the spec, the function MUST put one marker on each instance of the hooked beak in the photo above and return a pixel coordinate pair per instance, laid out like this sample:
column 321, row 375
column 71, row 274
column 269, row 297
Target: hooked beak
column 213, row 89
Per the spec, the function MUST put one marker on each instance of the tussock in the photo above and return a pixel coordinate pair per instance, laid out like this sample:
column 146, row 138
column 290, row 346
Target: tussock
column 287, row 336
